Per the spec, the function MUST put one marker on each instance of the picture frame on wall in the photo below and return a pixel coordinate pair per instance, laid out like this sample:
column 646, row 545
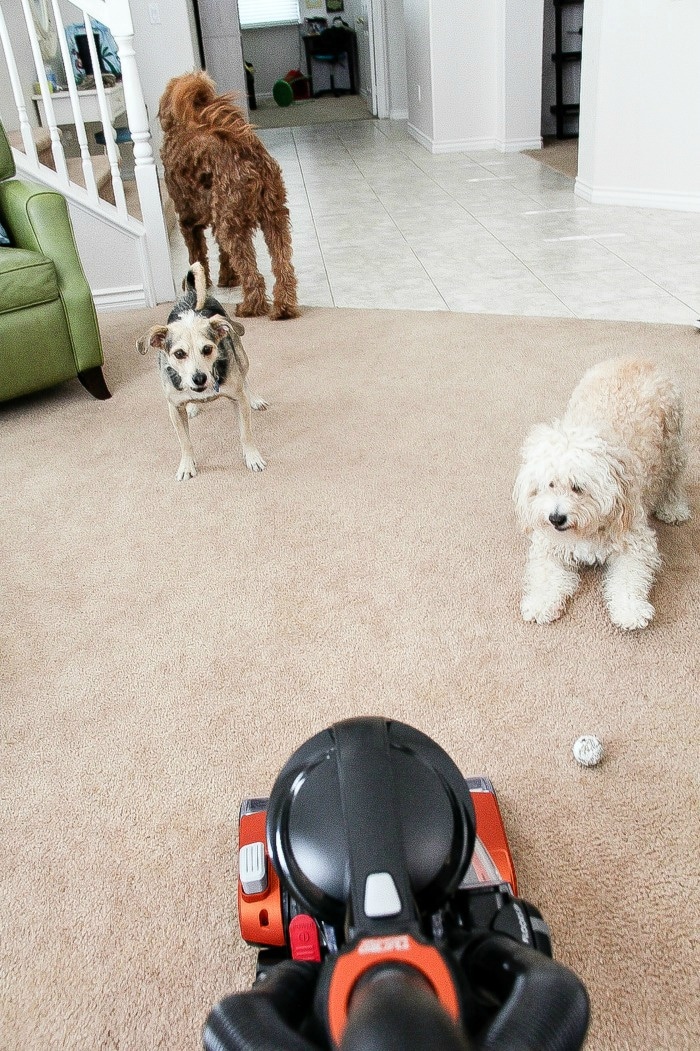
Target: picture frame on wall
column 333, row 6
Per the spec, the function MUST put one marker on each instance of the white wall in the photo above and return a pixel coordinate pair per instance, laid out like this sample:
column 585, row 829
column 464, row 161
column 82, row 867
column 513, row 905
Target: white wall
column 396, row 60
column 474, row 74
column 162, row 51
column 419, row 69
column 222, row 47
column 519, row 81
column 640, row 92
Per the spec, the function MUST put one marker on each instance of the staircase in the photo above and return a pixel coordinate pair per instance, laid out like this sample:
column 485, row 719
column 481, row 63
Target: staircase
column 100, row 165
column 121, row 214
column 103, row 177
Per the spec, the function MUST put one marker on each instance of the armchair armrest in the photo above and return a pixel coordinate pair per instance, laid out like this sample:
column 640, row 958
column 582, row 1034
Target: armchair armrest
column 38, row 219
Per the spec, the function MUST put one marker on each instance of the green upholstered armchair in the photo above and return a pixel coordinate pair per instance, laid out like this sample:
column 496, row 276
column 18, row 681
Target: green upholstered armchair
column 48, row 324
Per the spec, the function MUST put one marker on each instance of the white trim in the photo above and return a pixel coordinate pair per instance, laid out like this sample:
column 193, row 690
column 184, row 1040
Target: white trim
column 381, row 66
column 398, row 114
column 455, row 146
column 518, row 145
column 472, row 145
column 679, row 202
column 129, row 297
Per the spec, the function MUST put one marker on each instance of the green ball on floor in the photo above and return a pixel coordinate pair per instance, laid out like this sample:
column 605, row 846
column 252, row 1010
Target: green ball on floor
column 282, row 93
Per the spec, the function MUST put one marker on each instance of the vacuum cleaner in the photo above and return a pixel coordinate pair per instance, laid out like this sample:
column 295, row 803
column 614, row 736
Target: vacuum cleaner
column 379, row 887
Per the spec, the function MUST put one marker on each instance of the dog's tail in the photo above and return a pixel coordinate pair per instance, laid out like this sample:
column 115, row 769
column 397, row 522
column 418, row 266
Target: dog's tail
column 196, row 285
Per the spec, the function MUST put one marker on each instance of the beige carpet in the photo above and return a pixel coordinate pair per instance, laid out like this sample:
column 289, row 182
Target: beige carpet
column 166, row 646
column 324, row 110
column 559, row 154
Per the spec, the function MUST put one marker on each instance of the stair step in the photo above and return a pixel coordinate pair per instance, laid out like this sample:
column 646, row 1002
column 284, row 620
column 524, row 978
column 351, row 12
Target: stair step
column 42, row 141
column 103, row 175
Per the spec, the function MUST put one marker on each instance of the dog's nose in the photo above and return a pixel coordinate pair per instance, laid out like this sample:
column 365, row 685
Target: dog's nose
column 557, row 519
column 199, row 379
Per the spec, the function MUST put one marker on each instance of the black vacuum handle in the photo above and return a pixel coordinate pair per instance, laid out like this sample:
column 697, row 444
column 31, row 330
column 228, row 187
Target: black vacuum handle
column 392, row 1009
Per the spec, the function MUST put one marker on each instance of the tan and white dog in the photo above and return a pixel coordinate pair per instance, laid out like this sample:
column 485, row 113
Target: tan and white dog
column 201, row 358
column 588, row 484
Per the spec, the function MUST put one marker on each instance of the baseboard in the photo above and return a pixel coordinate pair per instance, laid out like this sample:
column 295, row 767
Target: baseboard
column 473, row 145
column 677, row 202
column 456, row 146
column 518, row 145
column 398, row 114
column 119, row 298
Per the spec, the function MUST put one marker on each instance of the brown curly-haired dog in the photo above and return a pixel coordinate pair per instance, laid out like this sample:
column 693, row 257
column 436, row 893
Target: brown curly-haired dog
column 219, row 175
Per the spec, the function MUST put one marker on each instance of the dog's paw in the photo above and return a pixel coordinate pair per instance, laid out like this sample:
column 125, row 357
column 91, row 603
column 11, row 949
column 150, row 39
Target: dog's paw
column 533, row 608
column 283, row 311
column 673, row 514
column 258, row 403
column 253, row 460
column 631, row 614
column 187, row 469
column 259, row 309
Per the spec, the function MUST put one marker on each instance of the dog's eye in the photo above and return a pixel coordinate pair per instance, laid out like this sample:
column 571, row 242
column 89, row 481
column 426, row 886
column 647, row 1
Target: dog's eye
column 179, row 354
column 576, row 489
column 206, row 351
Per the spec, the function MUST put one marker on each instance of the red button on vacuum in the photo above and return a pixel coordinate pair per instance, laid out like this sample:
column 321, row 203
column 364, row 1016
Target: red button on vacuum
column 303, row 939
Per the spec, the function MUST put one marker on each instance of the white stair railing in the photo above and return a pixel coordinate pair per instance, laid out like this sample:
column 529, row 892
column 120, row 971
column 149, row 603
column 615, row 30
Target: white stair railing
column 151, row 227
column 81, row 134
column 16, row 84
column 56, row 147
column 107, row 128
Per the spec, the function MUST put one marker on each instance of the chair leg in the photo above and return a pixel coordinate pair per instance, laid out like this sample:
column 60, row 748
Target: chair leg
column 335, row 91
column 94, row 382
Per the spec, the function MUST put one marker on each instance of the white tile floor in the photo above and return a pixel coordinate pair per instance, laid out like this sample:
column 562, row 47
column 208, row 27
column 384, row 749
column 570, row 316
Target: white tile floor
column 377, row 221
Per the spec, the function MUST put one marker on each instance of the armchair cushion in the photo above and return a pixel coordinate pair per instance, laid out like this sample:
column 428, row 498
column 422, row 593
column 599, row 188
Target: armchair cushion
column 26, row 279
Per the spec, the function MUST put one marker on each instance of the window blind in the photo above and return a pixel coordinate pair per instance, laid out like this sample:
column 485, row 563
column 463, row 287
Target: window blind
column 267, row 13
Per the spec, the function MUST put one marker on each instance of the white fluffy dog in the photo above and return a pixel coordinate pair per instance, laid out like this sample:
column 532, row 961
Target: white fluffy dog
column 588, row 483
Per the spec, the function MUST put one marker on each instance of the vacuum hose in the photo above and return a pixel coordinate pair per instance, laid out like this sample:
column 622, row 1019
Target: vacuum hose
column 544, row 1007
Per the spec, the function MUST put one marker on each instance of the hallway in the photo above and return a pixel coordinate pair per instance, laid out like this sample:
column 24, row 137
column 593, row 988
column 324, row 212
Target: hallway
column 380, row 222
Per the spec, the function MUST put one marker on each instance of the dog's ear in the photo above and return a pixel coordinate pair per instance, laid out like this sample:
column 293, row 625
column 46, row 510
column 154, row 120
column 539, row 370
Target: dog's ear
column 521, row 498
column 538, row 438
column 154, row 338
column 625, row 507
column 223, row 326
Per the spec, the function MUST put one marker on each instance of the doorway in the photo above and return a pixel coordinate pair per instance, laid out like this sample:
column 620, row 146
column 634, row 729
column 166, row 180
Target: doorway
column 272, row 53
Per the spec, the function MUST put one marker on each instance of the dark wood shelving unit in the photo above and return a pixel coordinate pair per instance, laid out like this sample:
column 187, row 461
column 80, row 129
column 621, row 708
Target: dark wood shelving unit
column 562, row 110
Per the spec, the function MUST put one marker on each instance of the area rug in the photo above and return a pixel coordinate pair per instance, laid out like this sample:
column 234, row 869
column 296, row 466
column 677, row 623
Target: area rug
column 324, row 110
column 559, row 154
column 165, row 646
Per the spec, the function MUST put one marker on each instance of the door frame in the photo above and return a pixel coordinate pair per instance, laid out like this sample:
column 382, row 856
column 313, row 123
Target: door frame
column 378, row 40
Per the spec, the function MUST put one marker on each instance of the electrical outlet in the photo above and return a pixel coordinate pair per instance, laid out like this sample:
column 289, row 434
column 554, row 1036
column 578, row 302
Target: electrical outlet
column 154, row 14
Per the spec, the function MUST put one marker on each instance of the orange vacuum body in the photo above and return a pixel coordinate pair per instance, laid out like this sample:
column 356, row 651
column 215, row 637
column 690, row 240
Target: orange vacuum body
column 263, row 913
